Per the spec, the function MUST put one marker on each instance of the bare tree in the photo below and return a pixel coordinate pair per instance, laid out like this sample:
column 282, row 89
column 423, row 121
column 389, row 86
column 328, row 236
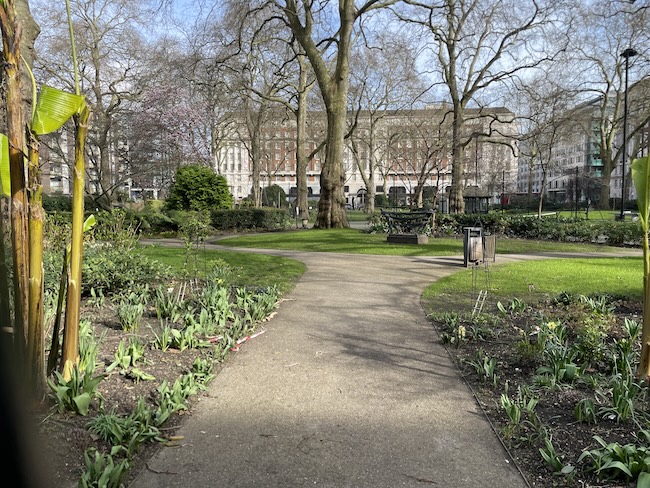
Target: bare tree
column 329, row 56
column 606, row 29
column 543, row 104
column 109, row 46
column 477, row 45
column 384, row 79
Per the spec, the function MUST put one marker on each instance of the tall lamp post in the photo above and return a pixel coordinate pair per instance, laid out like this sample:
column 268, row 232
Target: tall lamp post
column 627, row 54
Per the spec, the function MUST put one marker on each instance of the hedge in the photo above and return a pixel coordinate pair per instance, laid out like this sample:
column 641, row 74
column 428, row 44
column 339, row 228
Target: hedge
column 251, row 219
column 551, row 228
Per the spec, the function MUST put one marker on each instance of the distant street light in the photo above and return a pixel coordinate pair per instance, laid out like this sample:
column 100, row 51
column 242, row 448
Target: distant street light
column 627, row 54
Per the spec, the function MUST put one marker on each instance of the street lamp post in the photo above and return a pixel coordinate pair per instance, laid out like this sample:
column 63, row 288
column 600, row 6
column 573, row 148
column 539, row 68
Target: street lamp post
column 627, row 54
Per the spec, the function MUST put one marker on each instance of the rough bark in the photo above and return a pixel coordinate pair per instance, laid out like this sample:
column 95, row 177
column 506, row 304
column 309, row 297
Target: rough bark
column 331, row 207
column 302, row 160
column 456, row 201
column 11, row 40
column 35, row 332
column 334, row 87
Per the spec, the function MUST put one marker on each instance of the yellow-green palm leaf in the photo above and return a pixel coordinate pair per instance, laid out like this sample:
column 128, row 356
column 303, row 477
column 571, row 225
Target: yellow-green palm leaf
column 54, row 108
column 640, row 175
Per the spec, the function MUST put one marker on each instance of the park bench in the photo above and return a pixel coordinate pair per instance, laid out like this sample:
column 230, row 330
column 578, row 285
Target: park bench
column 411, row 227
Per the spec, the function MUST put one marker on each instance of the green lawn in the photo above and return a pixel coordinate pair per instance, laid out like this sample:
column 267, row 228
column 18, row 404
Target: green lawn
column 356, row 216
column 248, row 269
column 531, row 279
column 355, row 241
column 593, row 214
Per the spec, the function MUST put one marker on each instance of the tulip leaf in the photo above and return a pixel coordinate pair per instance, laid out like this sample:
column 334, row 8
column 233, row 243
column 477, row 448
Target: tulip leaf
column 640, row 175
column 54, row 108
column 5, row 171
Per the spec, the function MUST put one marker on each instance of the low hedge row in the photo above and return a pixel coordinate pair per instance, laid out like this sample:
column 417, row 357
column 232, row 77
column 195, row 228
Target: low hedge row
column 251, row 219
column 153, row 222
column 551, row 228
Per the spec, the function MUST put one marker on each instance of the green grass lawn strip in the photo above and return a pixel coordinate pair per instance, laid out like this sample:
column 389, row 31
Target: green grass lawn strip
column 256, row 270
column 619, row 277
column 355, row 241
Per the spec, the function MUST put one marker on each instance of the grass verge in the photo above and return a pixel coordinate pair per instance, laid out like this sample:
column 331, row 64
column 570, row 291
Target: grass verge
column 618, row 277
column 253, row 270
column 354, row 241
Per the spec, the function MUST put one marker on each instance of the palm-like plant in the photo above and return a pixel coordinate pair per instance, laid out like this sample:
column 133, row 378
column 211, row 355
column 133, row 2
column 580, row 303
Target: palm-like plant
column 52, row 109
column 641, row 178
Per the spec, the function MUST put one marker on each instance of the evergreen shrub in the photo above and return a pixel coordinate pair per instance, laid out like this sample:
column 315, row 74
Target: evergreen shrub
column 251, row 219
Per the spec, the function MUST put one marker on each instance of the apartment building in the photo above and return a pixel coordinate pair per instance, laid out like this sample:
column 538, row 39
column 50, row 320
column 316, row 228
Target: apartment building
column 574, row 167
column 396, row 152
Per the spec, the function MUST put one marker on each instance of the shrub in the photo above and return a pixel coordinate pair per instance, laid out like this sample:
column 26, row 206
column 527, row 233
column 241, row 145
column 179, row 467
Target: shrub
column 112, row 268
column 553, row 228
column 274, row 194
column 57, row 203
column 251, row 218
column 198, row 187
column 152, row 222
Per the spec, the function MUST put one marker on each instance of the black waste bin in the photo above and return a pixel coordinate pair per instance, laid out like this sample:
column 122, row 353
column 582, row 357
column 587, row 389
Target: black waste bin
column 472, row 245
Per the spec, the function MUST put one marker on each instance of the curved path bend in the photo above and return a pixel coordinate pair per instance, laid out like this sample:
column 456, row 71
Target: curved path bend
column 349, row 386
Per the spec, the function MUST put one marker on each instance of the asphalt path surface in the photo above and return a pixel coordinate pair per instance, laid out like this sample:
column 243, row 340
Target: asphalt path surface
column 348, row 386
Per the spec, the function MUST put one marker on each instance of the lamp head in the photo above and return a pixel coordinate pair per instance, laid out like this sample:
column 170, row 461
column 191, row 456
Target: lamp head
column 628, row 53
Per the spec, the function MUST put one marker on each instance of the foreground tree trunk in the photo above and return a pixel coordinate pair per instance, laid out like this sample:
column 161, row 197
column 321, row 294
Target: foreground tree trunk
column 36, row 333
column 641, row 177
column 70, row 356
column 11, row 36
column 456, row 200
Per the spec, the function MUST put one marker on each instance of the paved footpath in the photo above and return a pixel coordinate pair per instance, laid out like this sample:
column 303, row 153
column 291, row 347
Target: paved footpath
column 349, row 386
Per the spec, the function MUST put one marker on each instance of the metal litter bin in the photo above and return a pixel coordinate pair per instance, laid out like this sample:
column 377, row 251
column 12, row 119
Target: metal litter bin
column 472, row 245
column 490, row 248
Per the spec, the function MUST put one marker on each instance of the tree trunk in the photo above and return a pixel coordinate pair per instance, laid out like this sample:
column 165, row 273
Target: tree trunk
column 254, row 129
column 542, row 192
column 256, row 194
column 334, row 87
column 105, row 174
column 331, row 207
column 417, row 200
column 11, row 34
column 35, row 332
column 370, row 195
column 70, row 357
column 606, row 180
column 456, row 201
column 5, row 308
column 302, row 203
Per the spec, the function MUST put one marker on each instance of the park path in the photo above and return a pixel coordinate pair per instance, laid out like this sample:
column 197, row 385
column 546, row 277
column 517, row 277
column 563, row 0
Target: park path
column 348, row 386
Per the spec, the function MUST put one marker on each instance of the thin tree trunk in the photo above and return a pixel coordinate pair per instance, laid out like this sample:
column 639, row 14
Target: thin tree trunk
column 70, row 357
column 605, row 183
column 456, row 201
column 35, row 332
column 542, row 192
column 302, row 203
column 53, row 357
